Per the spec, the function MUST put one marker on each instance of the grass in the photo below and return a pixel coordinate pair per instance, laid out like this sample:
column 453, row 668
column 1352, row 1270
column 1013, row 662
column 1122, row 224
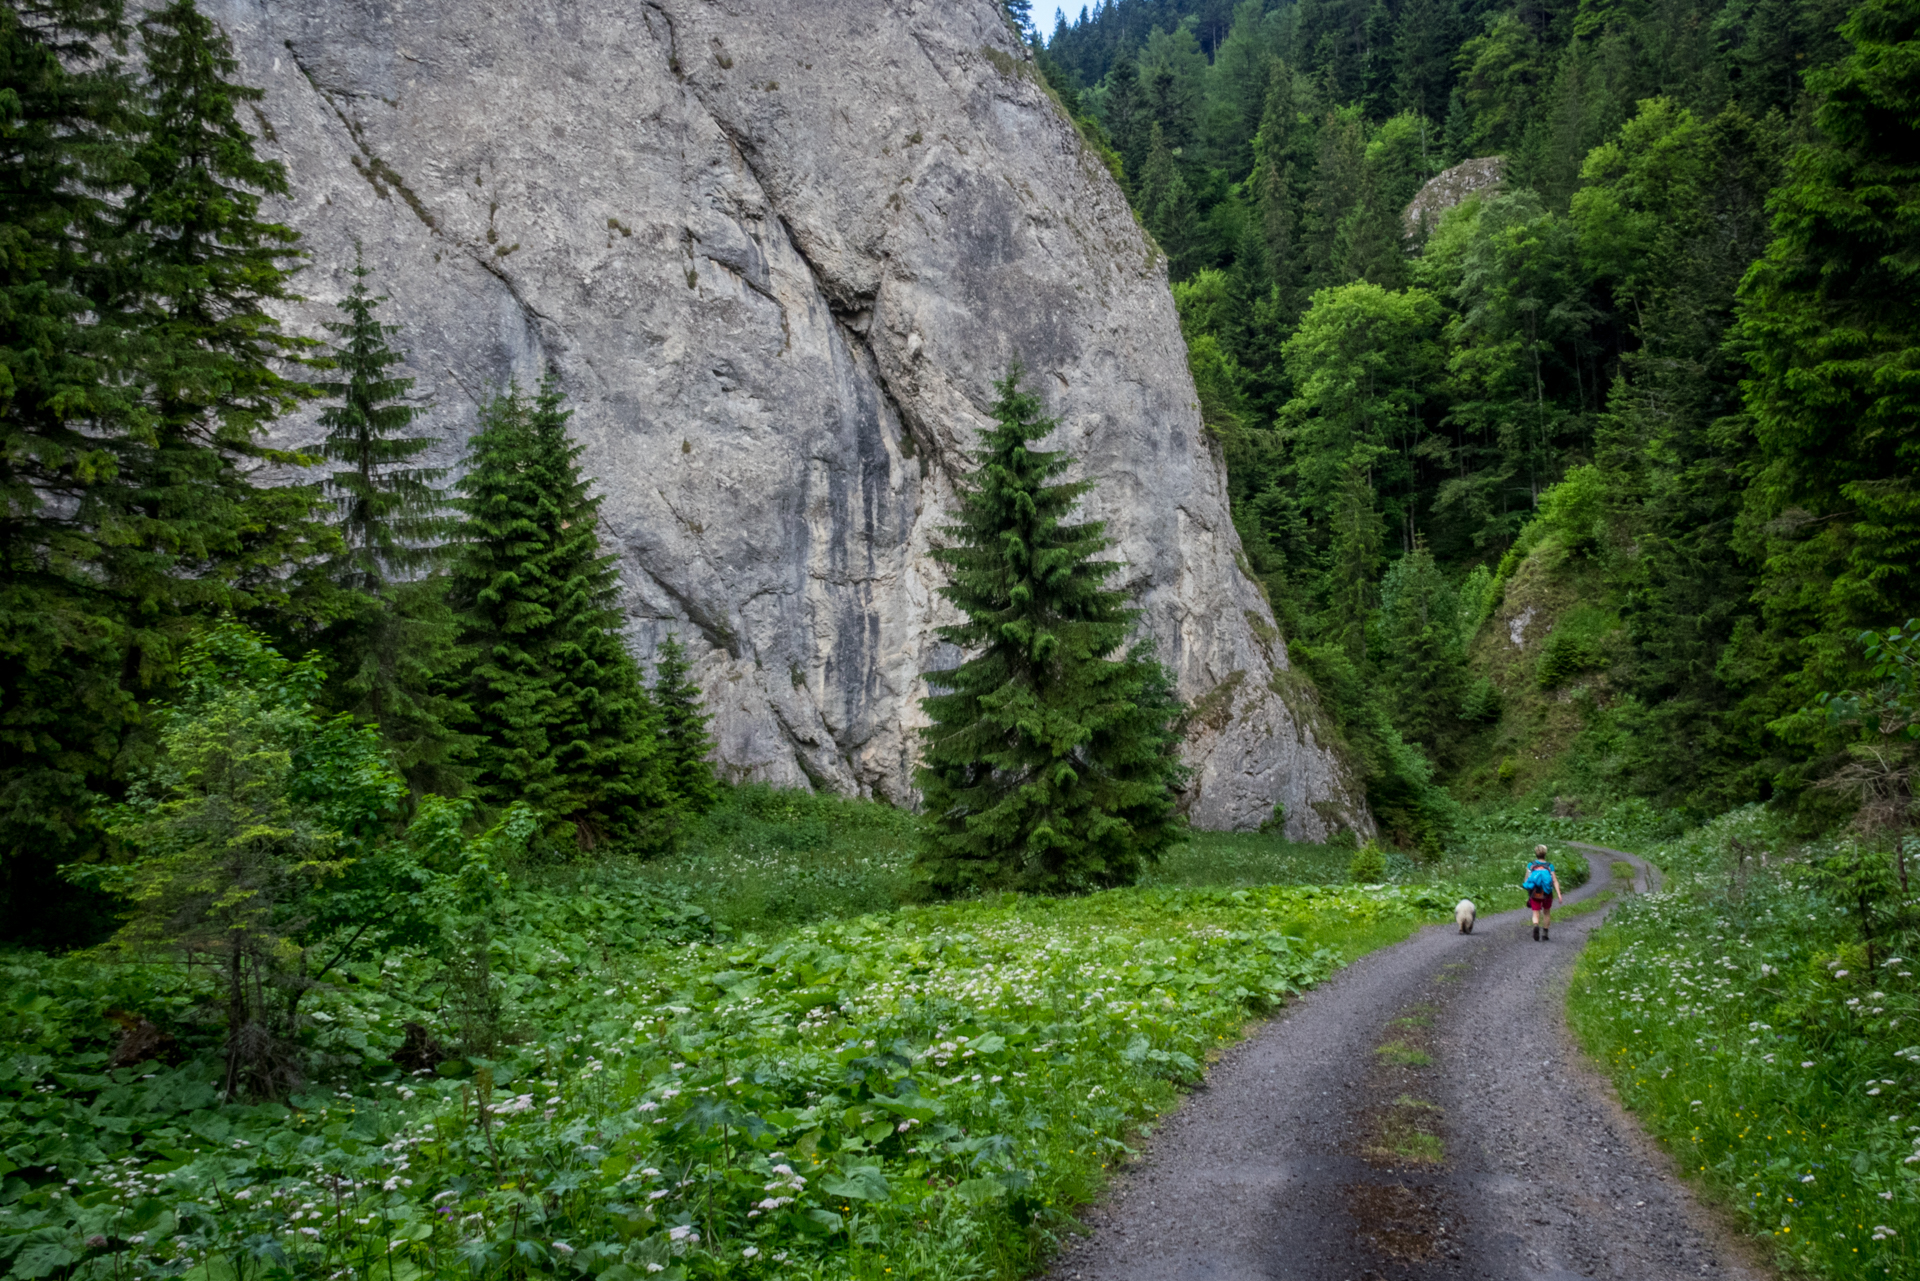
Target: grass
column 1622, row 885
column 769, row 858
column 1484, row 866
column 1404, row 1055
column 1402, row 1137
column 1744, row 1028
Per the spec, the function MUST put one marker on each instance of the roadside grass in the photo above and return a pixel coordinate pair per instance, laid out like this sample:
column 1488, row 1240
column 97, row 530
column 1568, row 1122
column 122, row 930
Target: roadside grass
column 1621, row 886
column 755, row 1058
column 1738, row 1019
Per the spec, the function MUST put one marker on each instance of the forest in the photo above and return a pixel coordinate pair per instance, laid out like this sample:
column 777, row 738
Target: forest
column 1667, row 355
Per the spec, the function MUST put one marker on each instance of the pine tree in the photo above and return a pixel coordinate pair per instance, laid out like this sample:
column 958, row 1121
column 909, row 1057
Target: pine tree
column 142, row 363
column 198, row 535
column 1420, row 649
column 1050, row 763
column 684, row 741
column 1127, row 121
column 394, row 641
column 1352, row 560
column 552, row 693
column 66, row 391
column 391, row 512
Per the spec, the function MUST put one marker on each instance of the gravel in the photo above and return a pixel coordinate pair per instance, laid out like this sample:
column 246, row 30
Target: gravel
column 1423, row 1114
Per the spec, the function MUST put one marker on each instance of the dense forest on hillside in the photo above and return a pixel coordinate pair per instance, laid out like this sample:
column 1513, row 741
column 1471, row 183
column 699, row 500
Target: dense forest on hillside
column 1662, row 376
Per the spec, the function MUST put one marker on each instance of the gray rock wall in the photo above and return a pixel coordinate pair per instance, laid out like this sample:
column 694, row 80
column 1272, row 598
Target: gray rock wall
column 777, row 253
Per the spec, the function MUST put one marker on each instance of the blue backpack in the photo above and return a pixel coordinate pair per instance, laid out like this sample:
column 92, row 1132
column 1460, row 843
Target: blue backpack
column 1539, row 878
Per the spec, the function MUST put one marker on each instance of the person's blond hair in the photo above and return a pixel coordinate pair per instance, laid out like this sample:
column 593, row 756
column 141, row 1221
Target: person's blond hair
column 1539, row 849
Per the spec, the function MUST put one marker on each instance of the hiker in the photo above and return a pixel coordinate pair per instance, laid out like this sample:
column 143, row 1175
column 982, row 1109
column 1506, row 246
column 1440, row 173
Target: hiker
column 1542, row 885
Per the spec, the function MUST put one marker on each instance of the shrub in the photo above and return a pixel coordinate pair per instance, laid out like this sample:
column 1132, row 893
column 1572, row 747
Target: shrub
column 1368, row 865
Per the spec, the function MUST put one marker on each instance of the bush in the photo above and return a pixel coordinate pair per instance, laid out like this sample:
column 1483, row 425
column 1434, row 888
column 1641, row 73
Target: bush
column 1482, row 703
column 1368, row 865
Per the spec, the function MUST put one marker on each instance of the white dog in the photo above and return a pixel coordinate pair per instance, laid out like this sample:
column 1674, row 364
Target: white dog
column 1463, row 912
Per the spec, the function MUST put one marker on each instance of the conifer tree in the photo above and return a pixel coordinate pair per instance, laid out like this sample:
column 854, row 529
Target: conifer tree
column 684, row 741
column 553, row 696
column 1050, row 763
column 1127, row 121
column 64, row 394
column 394, row 638
column 1830, row 323
column 391, row 511
column 141, row 364
column 197, row 530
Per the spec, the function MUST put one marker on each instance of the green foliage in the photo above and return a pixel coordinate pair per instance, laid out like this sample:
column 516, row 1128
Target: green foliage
column 390, row 509
column 1830, row 323
column 1421, row 647
column 139, row 361
column 1739, row 1014
column 553, row 697
column 268, row 837
column 393, row 642
column 1360, row 364
column 1049, row 762
column 1482, row 702
column 684, row 742
column 829, row 1071
column 62, row 394
column 1369, row 865
column 1581, row 313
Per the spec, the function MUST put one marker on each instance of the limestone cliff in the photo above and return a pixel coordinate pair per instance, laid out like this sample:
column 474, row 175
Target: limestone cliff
column 777, row 251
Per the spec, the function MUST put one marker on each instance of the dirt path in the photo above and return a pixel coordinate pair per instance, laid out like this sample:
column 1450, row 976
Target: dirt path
column 1424, row 1114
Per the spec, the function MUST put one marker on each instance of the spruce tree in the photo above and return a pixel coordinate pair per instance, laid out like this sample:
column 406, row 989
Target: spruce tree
column 684, row 741
column 1051, row 760
column 551, row 692
column 391, row 511
column 198, row 535
column 66, row 392
column 394, row 638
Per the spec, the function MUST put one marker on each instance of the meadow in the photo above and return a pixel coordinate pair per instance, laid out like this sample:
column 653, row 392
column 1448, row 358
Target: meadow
column 758, row 1056
column 1738, row 1016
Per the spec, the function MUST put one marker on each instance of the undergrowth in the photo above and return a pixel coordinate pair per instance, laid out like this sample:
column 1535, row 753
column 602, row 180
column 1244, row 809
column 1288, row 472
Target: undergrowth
column 1737, row 1015
column 621, row 1087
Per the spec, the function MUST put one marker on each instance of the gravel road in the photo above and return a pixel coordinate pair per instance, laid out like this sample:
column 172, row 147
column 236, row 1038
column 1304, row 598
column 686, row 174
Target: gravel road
column 1425, row 1113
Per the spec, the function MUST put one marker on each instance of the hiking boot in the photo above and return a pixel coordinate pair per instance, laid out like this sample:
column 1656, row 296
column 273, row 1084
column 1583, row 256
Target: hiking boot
column 1536, row 933
column 1545, row 937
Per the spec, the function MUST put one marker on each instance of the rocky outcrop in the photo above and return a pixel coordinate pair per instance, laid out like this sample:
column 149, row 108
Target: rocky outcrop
column 777, row 253
column 1479, row 176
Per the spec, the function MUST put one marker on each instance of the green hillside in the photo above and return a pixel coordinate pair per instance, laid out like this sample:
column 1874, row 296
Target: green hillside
column 1654, row 384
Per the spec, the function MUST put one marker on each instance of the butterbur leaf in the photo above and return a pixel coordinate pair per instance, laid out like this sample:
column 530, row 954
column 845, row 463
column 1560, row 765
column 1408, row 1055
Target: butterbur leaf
column 861, row 1183
column 979, row 1191
column 41, row 1258
column 912, row 1108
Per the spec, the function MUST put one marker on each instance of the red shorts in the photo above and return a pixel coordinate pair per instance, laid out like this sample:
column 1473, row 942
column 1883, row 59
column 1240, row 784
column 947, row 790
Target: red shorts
column 1540, row 902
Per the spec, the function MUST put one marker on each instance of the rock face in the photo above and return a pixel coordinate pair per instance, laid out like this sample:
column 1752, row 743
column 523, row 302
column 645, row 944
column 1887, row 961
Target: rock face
column 1481, row 175
column 777, row 253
